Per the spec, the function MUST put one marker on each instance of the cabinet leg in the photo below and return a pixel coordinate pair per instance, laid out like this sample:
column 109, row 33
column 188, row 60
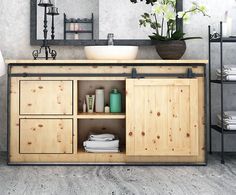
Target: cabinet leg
column 210, row 142
column 222, row 149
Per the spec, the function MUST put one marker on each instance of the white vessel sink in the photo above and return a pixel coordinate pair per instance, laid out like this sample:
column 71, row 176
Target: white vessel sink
column 111, row 52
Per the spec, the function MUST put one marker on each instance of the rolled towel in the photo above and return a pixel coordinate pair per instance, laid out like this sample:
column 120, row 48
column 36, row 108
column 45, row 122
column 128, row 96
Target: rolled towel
column 92, row 150
column 101, row 144
column 101, row 137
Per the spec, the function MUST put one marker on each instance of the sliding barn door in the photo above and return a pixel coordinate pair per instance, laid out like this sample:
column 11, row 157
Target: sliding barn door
column 162, row 117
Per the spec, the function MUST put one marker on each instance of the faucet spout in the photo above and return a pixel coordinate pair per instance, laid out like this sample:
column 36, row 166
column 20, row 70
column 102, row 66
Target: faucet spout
column 110, row 39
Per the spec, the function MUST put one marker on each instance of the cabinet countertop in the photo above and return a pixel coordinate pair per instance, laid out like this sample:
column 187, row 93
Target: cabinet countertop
column 178, row 62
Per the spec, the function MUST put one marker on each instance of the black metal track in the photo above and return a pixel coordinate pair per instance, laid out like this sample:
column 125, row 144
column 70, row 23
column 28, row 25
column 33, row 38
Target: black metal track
column 100, row 75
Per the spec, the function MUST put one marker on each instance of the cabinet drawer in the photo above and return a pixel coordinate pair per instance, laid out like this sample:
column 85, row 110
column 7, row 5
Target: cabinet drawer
column 46, row 97
column 46, row 136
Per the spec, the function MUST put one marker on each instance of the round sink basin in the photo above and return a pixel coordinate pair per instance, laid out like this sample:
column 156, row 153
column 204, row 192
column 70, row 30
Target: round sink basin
column 111, row 52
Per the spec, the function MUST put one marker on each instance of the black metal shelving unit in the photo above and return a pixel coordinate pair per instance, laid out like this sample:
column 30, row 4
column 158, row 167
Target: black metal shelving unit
column 218, row 38
column 79, row 21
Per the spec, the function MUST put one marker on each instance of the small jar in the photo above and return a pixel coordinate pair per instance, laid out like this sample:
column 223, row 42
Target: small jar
column 107, row 109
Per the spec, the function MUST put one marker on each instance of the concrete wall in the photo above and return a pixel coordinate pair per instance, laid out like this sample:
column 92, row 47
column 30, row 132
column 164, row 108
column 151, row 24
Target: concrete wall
column 15, row 44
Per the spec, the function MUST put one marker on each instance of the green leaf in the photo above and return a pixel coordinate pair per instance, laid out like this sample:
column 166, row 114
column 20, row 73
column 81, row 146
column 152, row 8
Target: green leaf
column 189, row 38
column 157, row 37
column 177, row 35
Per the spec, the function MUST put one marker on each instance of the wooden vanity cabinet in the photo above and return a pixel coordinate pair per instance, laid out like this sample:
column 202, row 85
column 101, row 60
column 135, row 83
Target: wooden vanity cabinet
column 163, row 119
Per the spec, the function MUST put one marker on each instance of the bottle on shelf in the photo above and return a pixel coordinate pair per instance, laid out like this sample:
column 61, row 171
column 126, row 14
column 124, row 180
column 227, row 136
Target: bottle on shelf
column 77, row 27
column 115, row 101
column 76, row 36
column 107, row 109
column 72, row 25
column 90, row 99
column 100, row 99
column 84, row 107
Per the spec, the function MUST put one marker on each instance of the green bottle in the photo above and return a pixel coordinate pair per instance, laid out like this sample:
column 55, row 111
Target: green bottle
column 115, row 101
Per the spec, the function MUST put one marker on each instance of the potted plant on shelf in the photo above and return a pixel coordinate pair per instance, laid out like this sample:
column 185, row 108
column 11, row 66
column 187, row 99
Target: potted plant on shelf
column 169, row 41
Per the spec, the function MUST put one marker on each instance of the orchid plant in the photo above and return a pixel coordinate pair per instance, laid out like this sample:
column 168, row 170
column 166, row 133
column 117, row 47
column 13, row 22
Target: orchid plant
column 163, row 16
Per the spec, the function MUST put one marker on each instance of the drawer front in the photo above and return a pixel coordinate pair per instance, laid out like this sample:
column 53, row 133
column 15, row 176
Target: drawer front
column 46, row 97
column 46, row 136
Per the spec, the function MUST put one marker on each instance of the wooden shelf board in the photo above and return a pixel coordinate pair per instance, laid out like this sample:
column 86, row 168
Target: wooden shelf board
column 101, row 115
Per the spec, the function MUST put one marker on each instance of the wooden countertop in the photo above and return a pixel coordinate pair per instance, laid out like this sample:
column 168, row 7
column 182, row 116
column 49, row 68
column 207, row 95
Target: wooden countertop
column 106, row 62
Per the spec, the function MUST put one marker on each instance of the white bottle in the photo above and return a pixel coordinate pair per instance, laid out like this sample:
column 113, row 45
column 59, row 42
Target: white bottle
column 76, row 36
column 84, row 106
column 100, row 99
column 107, row 109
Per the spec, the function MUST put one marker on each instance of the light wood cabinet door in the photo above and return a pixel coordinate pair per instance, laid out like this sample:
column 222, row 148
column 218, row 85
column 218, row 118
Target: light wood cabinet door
column 46, row 97
column 162, row 117
column 46, row 136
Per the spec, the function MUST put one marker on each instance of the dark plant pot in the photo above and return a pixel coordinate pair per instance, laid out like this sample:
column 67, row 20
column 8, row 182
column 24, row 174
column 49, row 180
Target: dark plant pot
column 171, row 50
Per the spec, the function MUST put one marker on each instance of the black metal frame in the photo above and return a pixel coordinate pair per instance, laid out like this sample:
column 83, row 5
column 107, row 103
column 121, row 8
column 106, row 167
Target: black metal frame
column 218, row 38
column 138, row 42
column 133, row 74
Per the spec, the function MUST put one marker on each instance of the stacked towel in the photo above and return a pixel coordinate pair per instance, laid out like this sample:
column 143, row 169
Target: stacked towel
column 102, row 143
column 229, row 120
column 229, row 73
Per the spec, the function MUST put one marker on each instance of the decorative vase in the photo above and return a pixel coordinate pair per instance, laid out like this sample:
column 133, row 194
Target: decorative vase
column 171, row 50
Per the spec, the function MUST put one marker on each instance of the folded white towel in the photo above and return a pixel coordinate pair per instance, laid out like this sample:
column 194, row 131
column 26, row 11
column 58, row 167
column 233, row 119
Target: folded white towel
column 92, row 150
column 230, row 77
column 226, row 121
column 230, row 67
column 101, row 137
column 230, row 115
column 101, row 144
column 225, row 72
column 229, row 127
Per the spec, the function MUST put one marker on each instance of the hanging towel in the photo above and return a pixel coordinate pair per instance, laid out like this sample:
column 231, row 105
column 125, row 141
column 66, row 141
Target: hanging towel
column 102, row 144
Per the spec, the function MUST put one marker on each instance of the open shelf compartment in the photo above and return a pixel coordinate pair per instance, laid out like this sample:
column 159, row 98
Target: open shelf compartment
column 88, row 87
column 113, row 126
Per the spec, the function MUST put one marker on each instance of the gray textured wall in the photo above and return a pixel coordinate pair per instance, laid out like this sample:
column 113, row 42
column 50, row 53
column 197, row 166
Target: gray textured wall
column 15, row 44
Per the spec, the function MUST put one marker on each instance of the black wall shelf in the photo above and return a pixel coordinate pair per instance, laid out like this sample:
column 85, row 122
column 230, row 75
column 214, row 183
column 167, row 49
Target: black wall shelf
column 79, row 21
column 218, row 38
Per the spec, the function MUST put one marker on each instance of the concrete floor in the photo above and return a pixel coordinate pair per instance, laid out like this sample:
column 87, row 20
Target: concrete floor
column 107, row 180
